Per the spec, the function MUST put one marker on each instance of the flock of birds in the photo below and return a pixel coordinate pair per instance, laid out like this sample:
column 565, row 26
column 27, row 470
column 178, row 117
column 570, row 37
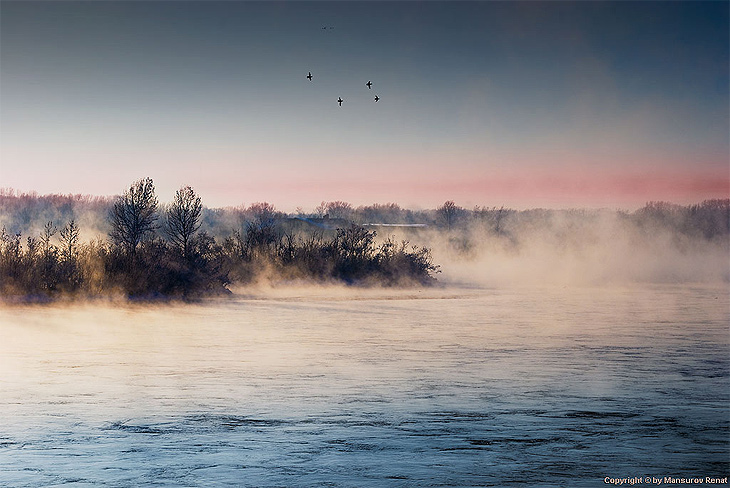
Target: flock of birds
column 369, row 84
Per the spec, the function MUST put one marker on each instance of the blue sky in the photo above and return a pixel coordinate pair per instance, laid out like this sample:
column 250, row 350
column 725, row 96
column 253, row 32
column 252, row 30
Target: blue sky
column 486, row 103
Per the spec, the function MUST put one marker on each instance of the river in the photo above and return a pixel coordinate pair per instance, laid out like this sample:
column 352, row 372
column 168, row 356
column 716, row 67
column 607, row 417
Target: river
column 457, row 387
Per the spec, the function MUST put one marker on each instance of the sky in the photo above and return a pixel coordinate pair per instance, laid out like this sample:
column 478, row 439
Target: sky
column 517, row 104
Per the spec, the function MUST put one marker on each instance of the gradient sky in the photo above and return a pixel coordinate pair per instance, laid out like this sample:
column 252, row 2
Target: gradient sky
column 520, row 104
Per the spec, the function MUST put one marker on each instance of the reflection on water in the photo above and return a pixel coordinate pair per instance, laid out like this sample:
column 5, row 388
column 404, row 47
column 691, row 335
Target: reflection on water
column 434, row 388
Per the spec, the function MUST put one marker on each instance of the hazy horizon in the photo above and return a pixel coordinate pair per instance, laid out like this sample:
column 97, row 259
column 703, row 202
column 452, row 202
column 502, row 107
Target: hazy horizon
column 522, row 105
column 293, row 209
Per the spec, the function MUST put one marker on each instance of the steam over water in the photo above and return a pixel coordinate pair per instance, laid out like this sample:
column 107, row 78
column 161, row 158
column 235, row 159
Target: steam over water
column 446, row 387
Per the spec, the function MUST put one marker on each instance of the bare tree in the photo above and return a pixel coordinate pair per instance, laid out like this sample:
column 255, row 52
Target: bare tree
column 183, row 219
column 448, row 212
column 321, row 210
column 262, row 212
column 335, row 210
column 48, row 231
column 134, row 215
column 69, row 240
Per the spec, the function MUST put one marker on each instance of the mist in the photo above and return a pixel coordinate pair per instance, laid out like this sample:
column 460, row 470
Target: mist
column 258, row 249
column 577, row 248
column 457, row 346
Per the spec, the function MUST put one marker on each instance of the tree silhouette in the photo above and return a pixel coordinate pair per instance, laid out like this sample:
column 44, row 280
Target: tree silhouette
column 183, row 219
column 262, row 213
column 69, row 240
column 134, row 215
column 48, row 231
column 335, row 210
column 448, row 212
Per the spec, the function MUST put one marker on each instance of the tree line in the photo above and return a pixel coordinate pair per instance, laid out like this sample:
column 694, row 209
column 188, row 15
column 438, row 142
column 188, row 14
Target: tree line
column 28, row 212
column 155, row 251
column 185, row 250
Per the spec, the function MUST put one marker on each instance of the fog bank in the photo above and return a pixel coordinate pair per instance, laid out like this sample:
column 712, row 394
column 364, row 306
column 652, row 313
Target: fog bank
column 575, row 247
column 257, row 249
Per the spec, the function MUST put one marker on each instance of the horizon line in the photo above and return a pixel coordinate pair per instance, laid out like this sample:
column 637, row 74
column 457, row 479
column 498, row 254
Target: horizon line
column 16, row 193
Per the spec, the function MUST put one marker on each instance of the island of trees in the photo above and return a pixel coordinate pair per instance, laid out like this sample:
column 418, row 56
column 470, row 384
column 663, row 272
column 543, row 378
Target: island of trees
column 155, row 251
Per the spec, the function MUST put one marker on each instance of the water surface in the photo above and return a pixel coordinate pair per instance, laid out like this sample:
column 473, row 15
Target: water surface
column 481, row 387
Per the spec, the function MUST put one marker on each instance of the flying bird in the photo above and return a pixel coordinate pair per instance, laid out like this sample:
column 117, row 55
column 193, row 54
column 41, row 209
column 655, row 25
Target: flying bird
column 377, row 98
column 369, row 84
column 339, row 100
column 309, row 76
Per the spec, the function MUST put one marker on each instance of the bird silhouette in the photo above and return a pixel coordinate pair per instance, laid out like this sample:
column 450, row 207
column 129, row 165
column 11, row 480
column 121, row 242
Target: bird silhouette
column 309, row 76
column 369, row 84
column 376, row 98
column 339, row 100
